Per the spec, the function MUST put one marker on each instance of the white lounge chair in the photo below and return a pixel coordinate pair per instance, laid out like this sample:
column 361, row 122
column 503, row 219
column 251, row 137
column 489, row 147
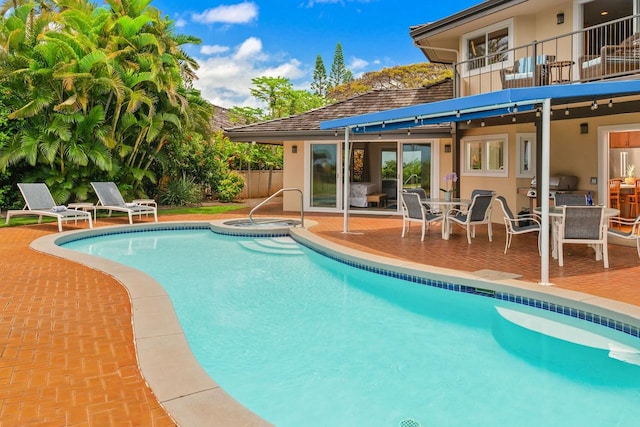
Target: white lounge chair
column 109, row 198
column 39, row 201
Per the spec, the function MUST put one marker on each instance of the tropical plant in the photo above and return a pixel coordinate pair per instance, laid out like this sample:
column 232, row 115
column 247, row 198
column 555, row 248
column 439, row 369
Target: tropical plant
column 100, row 92
column 180, row 192
column 230, row 186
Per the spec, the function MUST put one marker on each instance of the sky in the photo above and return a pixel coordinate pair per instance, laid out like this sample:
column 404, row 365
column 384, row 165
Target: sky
column 245, row 39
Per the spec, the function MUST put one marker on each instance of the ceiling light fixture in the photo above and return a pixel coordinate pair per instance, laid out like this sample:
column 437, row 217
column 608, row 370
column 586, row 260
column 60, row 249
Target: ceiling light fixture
column 513, row 119
column 482, row 123
column 458, row 113
column 566, row 111
column 594, row 106
column 610, row 103
column 515, row 108
column 335, row 133
column 408, row 132
column 469, row 121
column 537, row 112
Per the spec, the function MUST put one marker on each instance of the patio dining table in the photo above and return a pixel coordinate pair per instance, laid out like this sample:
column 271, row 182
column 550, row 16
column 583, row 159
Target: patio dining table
column 555, row 214
column 446, row 205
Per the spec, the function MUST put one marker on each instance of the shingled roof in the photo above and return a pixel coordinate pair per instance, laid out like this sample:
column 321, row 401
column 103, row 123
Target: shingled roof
column 309, row 122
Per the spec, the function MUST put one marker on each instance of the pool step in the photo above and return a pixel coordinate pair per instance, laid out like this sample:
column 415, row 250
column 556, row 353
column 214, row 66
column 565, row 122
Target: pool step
column 275, row 245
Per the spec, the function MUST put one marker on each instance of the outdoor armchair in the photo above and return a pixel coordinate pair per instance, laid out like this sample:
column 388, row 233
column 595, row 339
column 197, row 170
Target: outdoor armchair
column 522, row 224
column 414, row 211
column 585, row 225
column 626, row 228
column 39, row 201
column 109, row 198
column 477, row 213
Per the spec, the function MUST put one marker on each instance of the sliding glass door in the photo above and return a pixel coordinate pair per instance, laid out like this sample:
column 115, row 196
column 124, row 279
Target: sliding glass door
column 324, row 168
column 416, row 166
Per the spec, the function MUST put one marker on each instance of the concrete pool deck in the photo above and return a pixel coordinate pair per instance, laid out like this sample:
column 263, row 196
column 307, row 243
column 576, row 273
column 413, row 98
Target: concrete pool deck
column 69, row 357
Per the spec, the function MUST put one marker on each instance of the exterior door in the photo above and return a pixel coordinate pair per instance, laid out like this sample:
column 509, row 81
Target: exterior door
column 324, row 187
column 416, row 166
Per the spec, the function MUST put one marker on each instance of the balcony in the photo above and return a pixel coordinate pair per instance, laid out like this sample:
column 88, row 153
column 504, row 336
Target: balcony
column 602, row 52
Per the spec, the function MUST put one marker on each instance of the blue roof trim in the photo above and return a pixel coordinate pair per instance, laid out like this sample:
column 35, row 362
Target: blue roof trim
column 483, row 105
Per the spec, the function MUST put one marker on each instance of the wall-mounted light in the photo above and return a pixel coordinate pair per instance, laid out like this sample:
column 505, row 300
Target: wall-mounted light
column 610, row 103
column 513, row 119
column 482, row 123
column 560, row 18
column 408, row 132
column 584, row 128
column 335, row 133
column 294, row 149
column 566, row 111
column 594, row 106
column 447, row 148
column 469, row 121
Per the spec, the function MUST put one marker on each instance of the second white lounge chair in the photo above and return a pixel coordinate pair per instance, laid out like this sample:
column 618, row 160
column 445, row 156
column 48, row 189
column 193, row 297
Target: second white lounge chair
column 109, row 198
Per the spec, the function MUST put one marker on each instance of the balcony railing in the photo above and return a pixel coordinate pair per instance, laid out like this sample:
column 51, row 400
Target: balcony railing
column 606, row 51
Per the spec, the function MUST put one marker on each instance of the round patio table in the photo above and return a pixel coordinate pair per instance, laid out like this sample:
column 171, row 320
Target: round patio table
column 446, row 207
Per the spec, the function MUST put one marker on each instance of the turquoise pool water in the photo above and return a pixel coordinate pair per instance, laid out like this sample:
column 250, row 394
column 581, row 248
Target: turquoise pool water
column 303, row 340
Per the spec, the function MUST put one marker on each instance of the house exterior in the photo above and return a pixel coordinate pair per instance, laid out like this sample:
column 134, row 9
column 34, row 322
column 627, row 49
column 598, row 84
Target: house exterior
column 495, row 47
column 313, row 157
column 503, row 44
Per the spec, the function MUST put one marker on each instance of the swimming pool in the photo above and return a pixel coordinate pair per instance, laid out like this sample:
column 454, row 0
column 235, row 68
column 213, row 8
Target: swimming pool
column 304, row 340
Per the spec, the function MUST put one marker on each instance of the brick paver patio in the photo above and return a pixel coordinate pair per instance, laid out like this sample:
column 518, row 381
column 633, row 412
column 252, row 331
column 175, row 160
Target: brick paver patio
column 67, row 355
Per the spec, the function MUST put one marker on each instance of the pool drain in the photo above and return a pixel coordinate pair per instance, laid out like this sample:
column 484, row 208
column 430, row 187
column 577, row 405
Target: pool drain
column 409, row 422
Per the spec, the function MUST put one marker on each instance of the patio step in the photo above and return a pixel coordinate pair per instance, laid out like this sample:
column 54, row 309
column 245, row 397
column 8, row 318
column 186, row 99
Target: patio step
column 274, row 245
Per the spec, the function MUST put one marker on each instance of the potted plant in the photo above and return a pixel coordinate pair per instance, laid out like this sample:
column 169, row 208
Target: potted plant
column 630, row 177
column 449, row 185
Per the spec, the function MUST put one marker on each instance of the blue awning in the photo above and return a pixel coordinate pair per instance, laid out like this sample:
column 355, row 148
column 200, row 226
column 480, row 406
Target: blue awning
column 507, row 101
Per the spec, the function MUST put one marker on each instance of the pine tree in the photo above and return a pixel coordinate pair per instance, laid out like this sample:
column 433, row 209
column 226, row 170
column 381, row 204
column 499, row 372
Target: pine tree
column 338, row 70
column 319, row 84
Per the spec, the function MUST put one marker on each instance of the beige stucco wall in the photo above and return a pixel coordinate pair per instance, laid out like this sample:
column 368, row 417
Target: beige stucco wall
column 293, row 165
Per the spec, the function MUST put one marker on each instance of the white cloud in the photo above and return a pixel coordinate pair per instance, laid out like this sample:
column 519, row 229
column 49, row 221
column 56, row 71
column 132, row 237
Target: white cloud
column 240, row 13
column 213, row 49
column 225, row 80
column 180, row 23
column 357, row 64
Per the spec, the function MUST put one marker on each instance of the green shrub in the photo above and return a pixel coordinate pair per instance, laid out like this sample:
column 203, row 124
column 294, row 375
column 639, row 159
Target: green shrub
column 180, row 192
column 230, row 186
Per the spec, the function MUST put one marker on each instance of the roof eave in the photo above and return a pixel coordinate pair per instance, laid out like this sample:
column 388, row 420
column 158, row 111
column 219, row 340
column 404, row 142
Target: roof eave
column 475, row 12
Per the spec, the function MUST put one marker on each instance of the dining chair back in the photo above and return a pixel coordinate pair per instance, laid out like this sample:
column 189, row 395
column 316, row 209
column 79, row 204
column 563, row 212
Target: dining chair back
column 614, row 192
column 569, row 199
column 633, row 200
column 583, row 225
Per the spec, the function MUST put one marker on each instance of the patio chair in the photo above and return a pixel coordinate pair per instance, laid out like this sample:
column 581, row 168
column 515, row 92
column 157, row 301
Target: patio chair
column 569, row 199
column 584, row 225
column 522, row 224
column 477, row 213
column 109, row 198
column 627, row 229
column 623, row 58
column 524, row 72
column 39, row 201
column 414, row 211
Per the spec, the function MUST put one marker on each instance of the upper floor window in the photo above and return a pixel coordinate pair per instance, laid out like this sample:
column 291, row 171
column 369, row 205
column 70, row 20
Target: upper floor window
column 488, row 46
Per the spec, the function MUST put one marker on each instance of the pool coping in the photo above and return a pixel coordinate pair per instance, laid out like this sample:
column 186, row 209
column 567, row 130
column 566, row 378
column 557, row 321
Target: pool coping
column 187, row 392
